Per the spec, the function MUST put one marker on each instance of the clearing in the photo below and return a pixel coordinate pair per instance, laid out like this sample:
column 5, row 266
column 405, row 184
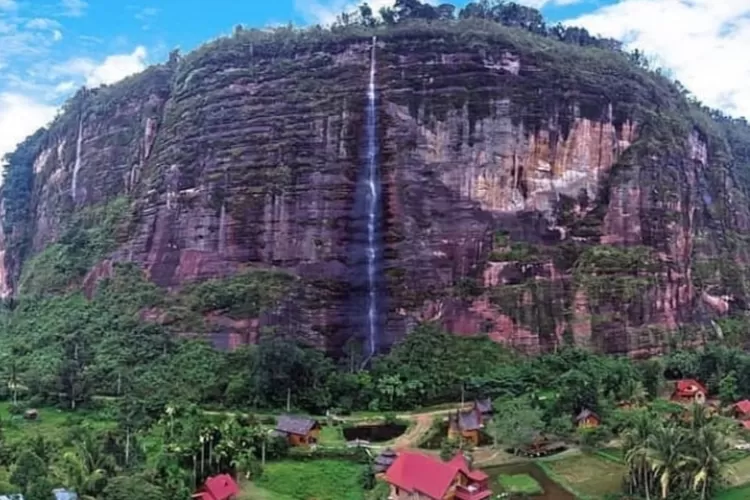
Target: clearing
column 587, row 475
column 318, row 479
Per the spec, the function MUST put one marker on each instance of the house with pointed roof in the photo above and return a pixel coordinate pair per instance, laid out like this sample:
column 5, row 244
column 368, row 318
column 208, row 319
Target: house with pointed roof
column 416, row 476
column 587, row 419
column 299, row 431
column 466, row 425
column 221, row 487
column 689, row 391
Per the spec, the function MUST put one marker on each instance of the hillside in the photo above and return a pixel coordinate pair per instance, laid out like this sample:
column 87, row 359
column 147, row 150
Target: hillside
column 540, row 191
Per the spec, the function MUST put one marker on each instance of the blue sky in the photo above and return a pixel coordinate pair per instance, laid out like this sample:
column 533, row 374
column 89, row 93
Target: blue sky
column 48, row 48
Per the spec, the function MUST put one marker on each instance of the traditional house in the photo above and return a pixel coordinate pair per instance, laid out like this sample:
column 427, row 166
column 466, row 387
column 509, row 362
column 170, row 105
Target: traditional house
column 383, row 461
column 587, row 419
column 416, row 476
column 299, row 431
column 485, row 407
column 221, row 487
column 689, row 391
column 466, row 425
column 741, row 410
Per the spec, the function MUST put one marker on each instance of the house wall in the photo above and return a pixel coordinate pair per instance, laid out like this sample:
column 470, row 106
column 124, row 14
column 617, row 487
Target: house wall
column 470, row 436
column 588, row 423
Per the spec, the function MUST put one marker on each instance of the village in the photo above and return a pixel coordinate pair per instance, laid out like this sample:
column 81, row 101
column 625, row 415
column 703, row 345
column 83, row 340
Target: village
column 404, row 468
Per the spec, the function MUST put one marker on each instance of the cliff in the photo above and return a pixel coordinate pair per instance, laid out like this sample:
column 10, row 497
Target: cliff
column 538, row 192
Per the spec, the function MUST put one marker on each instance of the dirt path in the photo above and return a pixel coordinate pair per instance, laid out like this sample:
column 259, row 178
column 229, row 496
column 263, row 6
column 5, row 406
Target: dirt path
column 410, row 439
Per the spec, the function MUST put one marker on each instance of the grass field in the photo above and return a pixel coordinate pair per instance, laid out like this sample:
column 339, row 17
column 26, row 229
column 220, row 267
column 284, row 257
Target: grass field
column 588, row 475
column 522, row 484
column 739, row 472
column 319, row 480
column 741, row 493
column 331, row 435
column 50, row 423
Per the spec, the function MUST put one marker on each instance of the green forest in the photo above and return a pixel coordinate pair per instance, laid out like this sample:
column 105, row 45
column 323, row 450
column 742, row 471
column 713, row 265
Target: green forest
column 129, row 408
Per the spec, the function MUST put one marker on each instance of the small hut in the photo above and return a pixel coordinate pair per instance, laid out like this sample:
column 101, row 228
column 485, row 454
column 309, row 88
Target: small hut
column 383, row 461
column 587, row 419
column 31, row 414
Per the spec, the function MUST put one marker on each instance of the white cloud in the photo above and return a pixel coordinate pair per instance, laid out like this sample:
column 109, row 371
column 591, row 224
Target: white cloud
column 112, row 69
column 324, row 12
column 20, row 116
column 41, row 23
column 538, row 4
column 704, row 43
column 73, row 8
column 8, row 5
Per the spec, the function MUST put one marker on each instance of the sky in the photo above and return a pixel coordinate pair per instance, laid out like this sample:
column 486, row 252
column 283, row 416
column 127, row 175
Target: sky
column 49, row 48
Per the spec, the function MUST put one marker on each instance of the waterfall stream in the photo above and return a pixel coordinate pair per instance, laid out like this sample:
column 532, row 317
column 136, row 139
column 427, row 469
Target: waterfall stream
column 373, row 201
column 77, row 164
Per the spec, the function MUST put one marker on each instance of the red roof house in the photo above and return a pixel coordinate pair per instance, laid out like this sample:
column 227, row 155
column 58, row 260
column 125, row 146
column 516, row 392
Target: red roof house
column 689, row 390
column 221, row 487
column 745, row 424
column 741, row 409
column 416, row 474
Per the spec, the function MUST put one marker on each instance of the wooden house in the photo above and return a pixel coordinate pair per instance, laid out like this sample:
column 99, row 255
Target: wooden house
column 689, row 391
column 221, row 487
column 587, row 419
column 485, row 408
column 299, row 431
column 466, row 425
column 415, row 476
column 384, row 461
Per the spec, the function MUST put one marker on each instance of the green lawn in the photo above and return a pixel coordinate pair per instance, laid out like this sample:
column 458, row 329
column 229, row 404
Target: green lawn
column 331, row 435
column 587, row 475
column 315, row 479
column 739, row 472
column 50, row 423
column 522, row 484
column 741, row 493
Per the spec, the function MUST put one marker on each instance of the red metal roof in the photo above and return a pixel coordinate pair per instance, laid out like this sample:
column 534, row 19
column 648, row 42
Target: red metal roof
column 221, row 487
column 415, row 472
column 743, row 406
column 460, row 463
column 746, row 424
column 690, row 387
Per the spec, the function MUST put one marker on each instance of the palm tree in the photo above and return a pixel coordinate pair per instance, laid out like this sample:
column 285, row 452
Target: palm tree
column 84, row 469
column 710, row 449
column 635, row 444
column 665, row 455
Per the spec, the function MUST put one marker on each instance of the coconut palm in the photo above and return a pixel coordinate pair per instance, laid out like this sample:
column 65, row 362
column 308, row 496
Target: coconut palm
column 635, row 444
column 666, row 457
column 84, row 469
column 709, row 453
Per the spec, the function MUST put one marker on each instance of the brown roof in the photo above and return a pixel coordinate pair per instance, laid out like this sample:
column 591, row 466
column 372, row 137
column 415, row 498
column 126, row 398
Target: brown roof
column 292, row 424
column 586, row 413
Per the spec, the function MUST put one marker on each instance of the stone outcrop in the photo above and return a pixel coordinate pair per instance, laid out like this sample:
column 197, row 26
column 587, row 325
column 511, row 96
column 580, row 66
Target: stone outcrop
column 500, row 180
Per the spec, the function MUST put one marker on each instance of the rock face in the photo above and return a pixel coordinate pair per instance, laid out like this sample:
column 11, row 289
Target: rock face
column 520, row 200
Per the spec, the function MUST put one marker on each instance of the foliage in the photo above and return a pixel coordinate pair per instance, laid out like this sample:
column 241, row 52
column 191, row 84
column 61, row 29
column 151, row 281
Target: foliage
column 91, row 234
column 519, row 426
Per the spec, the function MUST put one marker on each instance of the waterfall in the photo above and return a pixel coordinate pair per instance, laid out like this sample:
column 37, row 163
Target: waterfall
column 222, row 229
column 77, row 164
column 373, row 201
column 366, row 311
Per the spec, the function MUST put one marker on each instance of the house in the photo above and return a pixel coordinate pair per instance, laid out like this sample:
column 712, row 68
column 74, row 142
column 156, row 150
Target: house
column 299, row 431
column 689, row 391
column 485, row 407
column 384, row 461
column 416, row 476
column 587, row 419
column 221, row 487
column 466, row 425
column 741, row 410
column 745, row 424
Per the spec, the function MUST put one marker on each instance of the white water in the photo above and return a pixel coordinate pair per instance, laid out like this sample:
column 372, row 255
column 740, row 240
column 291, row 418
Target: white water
column 77, row 164
column 372, row 205
column 222, row 229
